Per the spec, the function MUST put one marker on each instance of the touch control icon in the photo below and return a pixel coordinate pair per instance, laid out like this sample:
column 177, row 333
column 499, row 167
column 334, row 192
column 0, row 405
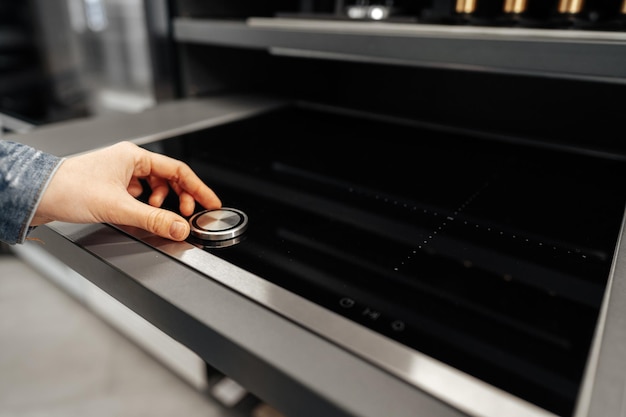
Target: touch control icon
column 346, row 302
column 222, row 225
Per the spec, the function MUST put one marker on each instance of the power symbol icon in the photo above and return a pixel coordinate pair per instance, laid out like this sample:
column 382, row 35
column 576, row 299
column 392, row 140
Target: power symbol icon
column 346, row 302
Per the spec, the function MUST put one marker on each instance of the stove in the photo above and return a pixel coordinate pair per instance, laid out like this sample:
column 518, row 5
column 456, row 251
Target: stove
column 489, row 256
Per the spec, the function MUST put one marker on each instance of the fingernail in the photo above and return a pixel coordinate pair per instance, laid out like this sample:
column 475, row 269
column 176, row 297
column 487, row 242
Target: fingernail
column 178, row 230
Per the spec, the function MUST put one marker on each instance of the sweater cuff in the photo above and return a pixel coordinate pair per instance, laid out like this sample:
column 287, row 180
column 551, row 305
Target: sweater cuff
column 25, row 173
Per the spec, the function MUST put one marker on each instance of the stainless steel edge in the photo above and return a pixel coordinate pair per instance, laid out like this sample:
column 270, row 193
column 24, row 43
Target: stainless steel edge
column 603, row 392
column 451, row 64
column 13, row 124
column 166, row 120
column 571, row 54
column 438, row 30
column 469, row 394
column 290, row 367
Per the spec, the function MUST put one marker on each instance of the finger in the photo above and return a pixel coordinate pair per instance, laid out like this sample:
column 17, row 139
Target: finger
column 160, row 189
column 159, row 221
column 187, row 203
column 177, row 172
column 134, row 187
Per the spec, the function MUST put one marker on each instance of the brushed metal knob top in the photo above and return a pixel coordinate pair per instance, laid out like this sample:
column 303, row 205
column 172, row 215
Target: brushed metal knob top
column 221, row 224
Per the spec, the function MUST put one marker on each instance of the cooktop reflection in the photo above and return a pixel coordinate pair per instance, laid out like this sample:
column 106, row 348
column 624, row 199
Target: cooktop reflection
column 491, row 257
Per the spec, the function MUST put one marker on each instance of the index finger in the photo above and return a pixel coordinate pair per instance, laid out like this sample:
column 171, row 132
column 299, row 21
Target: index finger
column 179, row 173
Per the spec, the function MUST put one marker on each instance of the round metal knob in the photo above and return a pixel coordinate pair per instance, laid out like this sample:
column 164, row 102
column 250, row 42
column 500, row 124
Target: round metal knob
column 217, row 225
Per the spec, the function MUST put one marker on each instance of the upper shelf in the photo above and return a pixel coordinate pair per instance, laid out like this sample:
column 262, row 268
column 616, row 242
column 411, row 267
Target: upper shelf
column 574, row 54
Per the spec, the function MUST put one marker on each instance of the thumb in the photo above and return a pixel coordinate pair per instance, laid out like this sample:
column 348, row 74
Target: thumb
column 159, row 221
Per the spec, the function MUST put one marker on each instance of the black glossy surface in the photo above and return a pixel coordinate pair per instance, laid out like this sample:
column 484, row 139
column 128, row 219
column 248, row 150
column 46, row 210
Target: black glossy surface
column 488, row 256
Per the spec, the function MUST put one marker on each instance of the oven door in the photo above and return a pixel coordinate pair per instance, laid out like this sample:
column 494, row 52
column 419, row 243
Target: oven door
column 386, row 268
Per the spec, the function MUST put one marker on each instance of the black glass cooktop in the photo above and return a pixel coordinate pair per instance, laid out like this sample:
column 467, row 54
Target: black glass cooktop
column 489, row 256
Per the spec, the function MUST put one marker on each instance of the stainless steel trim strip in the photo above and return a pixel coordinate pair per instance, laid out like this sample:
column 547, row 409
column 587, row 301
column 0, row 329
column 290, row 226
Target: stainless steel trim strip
column 570, row 54
column 468, row 394
column 13, row 124
column 166, row 120
column 603, row 391
column 290, row 367
column 434, row 30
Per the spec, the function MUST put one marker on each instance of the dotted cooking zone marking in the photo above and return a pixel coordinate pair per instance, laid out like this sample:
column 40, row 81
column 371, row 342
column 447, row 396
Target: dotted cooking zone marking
column 449, row 219
column 442, row 226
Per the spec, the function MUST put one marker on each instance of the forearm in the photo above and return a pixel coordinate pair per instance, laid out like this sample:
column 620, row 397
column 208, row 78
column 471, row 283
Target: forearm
column 24, row 175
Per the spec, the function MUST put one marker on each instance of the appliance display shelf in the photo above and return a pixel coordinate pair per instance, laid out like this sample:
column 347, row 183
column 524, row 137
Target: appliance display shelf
column 563, row 53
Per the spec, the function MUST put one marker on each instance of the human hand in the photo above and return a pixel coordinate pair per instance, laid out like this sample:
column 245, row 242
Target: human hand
column 102, row 186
